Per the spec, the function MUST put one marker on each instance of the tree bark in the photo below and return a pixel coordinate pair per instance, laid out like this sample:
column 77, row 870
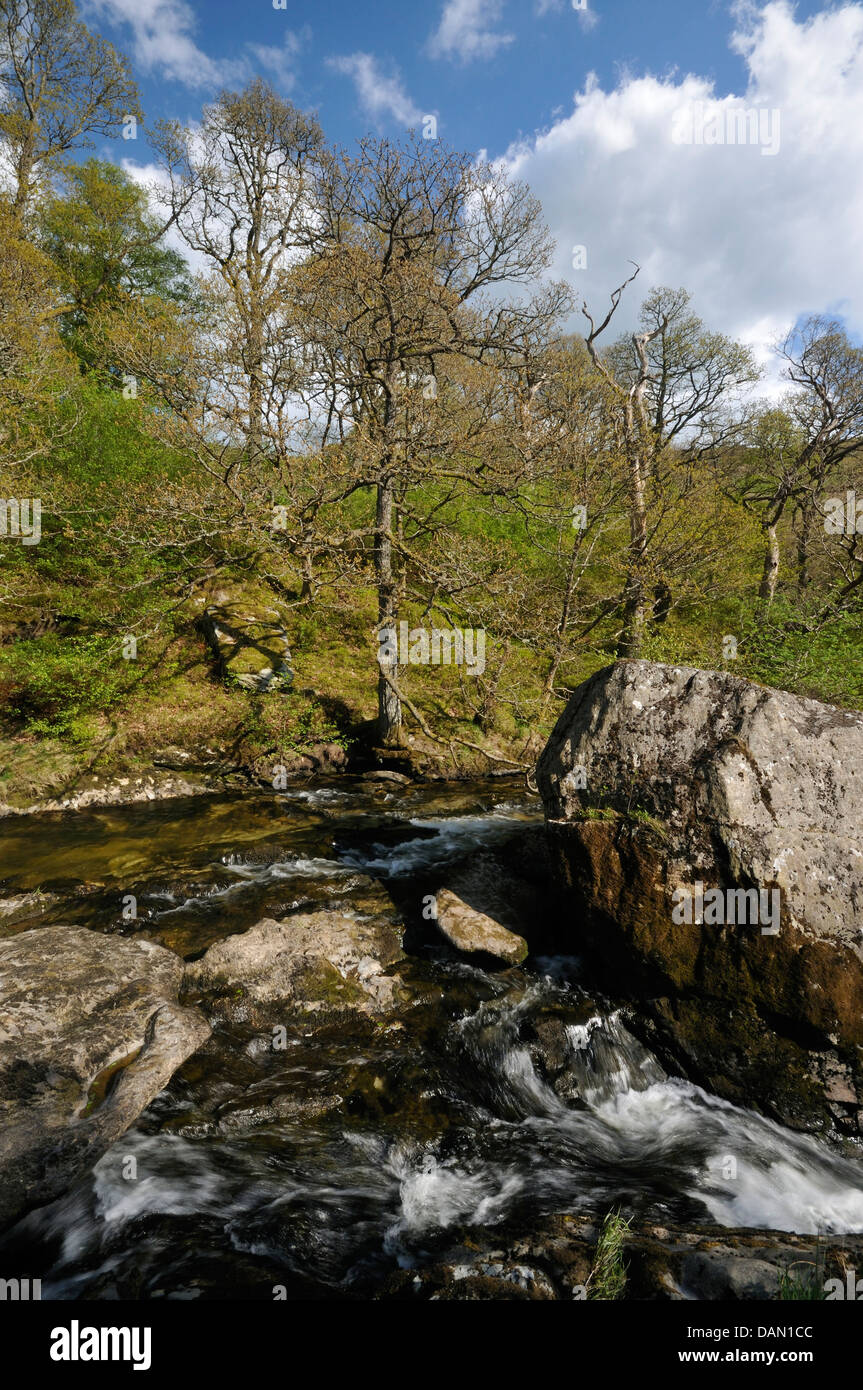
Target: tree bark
column 640, row 450
column 634, row 601
column 562, row 626
column 770, row 575
column 804, row 544
column 389, row 728
column 24, row 167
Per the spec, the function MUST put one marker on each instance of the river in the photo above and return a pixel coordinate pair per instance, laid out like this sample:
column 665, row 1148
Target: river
column 352, row 1152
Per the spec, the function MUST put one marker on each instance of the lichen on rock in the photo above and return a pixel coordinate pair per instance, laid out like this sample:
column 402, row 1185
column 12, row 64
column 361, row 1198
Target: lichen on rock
column 247, row 633
column 319, row 962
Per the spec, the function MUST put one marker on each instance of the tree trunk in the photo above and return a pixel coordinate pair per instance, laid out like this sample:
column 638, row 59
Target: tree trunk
column 255, row 368
column 770, row 573
column 634, row 608
column 389, row 704
column 24, row 167
column 562, row 626
column 634, row 601
column 307, row 589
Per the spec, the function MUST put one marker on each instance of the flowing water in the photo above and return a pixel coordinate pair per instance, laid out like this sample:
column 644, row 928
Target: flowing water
column 498, row 1096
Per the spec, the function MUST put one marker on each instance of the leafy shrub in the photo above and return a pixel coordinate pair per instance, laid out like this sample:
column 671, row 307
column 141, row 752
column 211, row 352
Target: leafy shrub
column 50, row 684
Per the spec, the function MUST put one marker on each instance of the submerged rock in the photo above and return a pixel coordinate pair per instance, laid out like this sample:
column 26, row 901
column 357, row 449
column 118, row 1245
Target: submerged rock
column 663, row 783
column 23, row 910
column 329, row 961
column 90, row 1032
column 470, row 930
column 588, row 1058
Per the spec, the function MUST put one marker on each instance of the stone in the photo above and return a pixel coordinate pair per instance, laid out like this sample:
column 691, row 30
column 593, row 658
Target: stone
column 554, row 1260
column 659, row 777
column 23, row 910
column 713, row 1275
column 90, row 1033
column 470, row 930
column 330, row 961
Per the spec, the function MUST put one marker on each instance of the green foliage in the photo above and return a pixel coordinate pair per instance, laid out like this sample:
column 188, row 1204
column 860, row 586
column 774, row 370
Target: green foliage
column 305, row 635
column 49, row 683
column 787, row 648
column 314, row 726
column 106, row 247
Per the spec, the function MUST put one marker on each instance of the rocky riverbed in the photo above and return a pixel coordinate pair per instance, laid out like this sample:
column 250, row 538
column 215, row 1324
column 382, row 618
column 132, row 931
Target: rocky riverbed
column 376, row 1100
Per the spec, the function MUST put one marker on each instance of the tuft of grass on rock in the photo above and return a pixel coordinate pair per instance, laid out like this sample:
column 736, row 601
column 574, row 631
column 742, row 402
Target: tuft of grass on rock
column 803, row 1280
column 607, row 1278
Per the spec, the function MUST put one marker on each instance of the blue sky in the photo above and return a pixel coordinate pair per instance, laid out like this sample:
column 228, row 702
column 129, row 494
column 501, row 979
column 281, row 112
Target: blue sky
column 510, row 68
column 583, row 104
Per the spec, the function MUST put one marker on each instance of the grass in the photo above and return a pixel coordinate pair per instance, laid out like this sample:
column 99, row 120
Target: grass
column 803, row 1280
column 649, row 822
column 607, row 1278
column 177, row 700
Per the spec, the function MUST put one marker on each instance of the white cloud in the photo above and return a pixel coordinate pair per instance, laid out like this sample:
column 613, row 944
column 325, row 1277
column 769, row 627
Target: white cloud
column 380, row 94
column 758, row 239
column 587, row 16
column 280, row 62
column 162, row 39
column 152, row 178
column 163, row 43
column 465, row 31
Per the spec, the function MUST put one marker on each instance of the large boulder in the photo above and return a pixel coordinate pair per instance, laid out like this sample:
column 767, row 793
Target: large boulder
column 328, row 962
column 662, row 784
column 90, row 1032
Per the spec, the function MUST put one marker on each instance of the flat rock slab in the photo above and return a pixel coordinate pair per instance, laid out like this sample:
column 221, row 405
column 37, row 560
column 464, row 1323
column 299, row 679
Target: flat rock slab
column 470, row 930
column 90, row 1032
column 327, row 961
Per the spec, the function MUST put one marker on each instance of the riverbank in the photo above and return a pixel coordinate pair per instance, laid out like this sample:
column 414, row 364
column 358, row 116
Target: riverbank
column 195, row 735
